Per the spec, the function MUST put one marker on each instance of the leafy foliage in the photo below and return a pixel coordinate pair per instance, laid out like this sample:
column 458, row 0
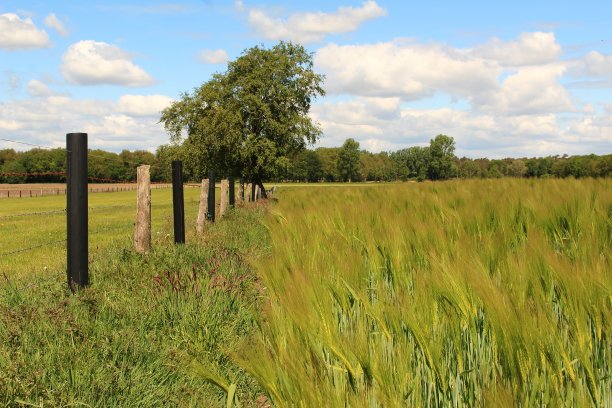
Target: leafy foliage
column 248, row 120
column 441, row 164
column 348, row 161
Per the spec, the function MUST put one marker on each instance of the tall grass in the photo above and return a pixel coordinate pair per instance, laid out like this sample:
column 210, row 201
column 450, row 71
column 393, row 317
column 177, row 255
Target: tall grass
column 471, row 293
column 131, row 338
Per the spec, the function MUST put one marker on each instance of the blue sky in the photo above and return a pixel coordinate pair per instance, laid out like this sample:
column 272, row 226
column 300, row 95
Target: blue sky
column 504, row 78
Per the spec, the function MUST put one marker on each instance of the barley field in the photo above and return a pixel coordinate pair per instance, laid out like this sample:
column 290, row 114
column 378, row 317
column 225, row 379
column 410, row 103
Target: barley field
column 467, row 293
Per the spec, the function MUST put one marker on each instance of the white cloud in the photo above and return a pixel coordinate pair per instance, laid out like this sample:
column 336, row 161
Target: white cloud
column 90, row 62
column 213, row 56
column 308, row 27
column 55, row 23
column 7, row 124
column 413, row 71
column 17, row 33
column 531, row 90
column 530, row 49
column 38, row 88
column 592, row 129
column 115, row 125
column 404, row 69
column 598, row 64
column 143, row 105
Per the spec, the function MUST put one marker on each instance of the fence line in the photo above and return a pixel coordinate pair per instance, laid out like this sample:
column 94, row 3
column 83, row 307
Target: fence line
column 77, row 211
column 3, row 254
column 2, row 217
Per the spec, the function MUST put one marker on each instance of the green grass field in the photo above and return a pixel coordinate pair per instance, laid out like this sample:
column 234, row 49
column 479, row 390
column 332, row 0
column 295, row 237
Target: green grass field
column 460, row 293
column 148, row 328
column 111, row 221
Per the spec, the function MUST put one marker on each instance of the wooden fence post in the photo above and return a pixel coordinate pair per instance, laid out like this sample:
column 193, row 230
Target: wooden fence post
column 203, row 207
column 223, row 202
column 142, row 231
column 240, row 197
column 247, row 193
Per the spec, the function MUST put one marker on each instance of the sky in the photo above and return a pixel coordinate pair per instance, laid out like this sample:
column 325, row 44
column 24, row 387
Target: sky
column 505, row 79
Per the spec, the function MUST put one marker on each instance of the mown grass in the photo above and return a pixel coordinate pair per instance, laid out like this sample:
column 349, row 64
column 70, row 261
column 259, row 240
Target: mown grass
column 470, row 293
column 111, row 220
column 150, row 331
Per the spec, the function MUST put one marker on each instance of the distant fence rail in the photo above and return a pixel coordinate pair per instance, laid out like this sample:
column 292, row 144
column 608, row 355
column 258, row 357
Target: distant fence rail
column 24, row 191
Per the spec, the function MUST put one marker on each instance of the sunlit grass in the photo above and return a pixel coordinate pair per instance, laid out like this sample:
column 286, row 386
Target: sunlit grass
column 470, row 293
column 111, row 220
column 130, row 339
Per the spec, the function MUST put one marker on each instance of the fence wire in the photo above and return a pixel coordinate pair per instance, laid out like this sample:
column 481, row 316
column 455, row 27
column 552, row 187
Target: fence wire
column 17, row 251
column 3, row 217
column 33, row 144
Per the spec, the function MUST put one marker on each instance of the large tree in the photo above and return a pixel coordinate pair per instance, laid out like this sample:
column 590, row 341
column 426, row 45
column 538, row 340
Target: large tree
column 442, row 158
column 250, row 119
column 416, row 159
column 348, row 160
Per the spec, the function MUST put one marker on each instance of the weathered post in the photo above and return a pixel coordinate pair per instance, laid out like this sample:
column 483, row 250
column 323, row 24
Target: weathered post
column 240, row 193
column 257, row 193
column 223, row 201
column 142, row 230
column 77, row 211
column 178, row 202
column 247, row 193
column 202, row 207
column 253, row 191
column 232, row 198
column 211, row 196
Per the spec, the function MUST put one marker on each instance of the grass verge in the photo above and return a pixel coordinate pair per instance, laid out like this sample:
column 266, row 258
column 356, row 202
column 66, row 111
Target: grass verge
column 152, row 330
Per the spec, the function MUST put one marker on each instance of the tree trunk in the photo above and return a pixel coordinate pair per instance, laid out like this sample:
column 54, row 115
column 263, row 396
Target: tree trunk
column 262, row 188
column 240, row 198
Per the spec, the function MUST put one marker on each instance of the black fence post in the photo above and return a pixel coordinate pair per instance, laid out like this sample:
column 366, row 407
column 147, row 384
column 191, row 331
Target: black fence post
column 76, row 210
column 178, row 202
column 253, row 186
column 232, row 198
column 211, row 196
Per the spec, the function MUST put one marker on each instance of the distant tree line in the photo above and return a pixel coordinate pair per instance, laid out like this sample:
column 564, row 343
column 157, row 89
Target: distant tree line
column 31, row 166
column 434, row 162
column 347, row 163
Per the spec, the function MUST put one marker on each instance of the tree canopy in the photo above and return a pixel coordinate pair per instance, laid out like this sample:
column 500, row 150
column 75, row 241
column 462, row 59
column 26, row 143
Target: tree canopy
column 348, row 160
column 248, row 120
column 442, row 158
